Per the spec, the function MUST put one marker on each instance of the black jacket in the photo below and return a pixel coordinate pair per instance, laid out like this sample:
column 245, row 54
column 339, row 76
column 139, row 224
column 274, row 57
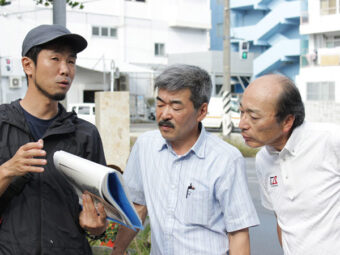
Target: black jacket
column 44, row 218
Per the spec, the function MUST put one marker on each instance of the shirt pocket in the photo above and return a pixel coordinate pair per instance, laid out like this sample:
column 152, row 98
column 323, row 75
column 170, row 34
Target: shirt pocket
column 196, row 208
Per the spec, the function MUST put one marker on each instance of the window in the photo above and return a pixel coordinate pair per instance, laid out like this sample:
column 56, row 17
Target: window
column 321, row 91
column 327, row 7
column 95, row 31
column 218, row 88
column 336, row 41
column 113, row 32
column 84, row 110
column 104, row 31
column 159, row 49
column 333, row 41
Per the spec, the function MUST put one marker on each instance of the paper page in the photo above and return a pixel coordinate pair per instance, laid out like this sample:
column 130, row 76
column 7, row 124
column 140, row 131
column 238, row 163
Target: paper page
column 104, row 184
column 83, row 173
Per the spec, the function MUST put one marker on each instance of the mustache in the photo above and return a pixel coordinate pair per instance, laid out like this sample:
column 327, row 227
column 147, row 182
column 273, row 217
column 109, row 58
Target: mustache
column 166, row 123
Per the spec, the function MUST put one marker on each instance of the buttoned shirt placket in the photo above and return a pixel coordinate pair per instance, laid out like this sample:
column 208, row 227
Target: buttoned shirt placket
column 175, row 169
column 287, row 178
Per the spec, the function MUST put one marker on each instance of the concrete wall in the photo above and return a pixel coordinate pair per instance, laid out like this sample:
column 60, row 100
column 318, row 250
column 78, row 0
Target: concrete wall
column 113, row 123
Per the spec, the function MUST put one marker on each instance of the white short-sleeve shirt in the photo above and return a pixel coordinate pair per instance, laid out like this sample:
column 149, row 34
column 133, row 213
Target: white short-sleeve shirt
column 301, row 184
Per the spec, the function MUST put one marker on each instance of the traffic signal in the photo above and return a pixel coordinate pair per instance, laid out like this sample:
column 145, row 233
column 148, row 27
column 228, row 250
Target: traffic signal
column 8, row 64
column 244, row 48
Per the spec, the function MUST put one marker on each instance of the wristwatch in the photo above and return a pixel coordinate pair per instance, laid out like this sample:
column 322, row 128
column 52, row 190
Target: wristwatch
column 95, row 237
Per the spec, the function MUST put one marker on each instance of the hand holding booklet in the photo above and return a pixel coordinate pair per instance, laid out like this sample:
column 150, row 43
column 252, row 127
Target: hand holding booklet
column 105, row 185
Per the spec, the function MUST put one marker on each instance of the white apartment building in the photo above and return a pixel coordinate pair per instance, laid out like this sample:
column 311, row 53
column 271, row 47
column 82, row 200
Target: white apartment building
column 319, row 79
column 133, row 36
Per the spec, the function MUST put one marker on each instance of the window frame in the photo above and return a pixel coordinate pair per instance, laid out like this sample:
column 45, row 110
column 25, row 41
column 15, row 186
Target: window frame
column 109, row 31
column 320, row 91
column 327, row 9
column 159, row 49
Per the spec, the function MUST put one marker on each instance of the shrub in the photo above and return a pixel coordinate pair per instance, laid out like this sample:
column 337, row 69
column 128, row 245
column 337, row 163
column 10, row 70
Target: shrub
column 246, row 151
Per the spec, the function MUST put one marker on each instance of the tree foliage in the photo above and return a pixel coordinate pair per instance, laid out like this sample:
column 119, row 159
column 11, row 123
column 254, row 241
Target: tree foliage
column 4, row 2
column 72, row 4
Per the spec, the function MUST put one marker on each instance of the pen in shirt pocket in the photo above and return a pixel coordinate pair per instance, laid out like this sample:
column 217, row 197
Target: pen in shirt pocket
column 189, row 189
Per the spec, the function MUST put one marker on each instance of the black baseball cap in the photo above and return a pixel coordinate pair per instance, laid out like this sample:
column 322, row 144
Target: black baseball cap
column 48, row 33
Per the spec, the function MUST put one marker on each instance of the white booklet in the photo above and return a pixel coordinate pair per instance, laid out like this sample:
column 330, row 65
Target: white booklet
column 103, row 184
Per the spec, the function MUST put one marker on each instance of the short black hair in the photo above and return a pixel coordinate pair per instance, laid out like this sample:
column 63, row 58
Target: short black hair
column 34, row 52
column 289, row 102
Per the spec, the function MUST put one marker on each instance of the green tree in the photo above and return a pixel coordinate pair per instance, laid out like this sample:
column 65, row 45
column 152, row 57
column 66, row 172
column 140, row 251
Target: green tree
column 4, row 2
column 72, row 4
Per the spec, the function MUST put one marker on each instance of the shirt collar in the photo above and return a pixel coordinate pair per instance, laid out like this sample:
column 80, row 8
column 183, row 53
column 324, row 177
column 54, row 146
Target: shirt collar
column 292, row 143
column 271, row 150
column 294, row 139
column 198, row 148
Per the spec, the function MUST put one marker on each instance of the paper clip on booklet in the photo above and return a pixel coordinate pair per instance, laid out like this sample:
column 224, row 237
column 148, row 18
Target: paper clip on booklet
column 103, row 184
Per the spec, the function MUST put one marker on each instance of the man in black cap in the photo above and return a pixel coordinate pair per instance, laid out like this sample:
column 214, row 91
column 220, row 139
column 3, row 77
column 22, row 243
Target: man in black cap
column 40, row 213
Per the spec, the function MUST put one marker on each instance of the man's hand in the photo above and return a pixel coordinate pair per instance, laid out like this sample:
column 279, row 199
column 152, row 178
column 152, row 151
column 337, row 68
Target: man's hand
column 91, row 218
column 125, row 235
column 25, row 160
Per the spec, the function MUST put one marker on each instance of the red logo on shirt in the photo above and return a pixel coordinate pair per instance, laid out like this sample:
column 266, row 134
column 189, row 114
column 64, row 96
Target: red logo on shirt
column 273, row 181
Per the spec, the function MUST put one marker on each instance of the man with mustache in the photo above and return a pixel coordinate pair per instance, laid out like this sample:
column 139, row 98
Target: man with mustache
column 191, row 183
column 298, row 168
column 40, row 212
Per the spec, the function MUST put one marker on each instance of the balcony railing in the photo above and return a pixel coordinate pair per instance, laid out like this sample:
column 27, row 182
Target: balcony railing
column 312, row 59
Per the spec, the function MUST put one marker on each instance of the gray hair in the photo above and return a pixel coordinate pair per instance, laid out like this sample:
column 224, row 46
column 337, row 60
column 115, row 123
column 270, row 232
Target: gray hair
column 178, row 77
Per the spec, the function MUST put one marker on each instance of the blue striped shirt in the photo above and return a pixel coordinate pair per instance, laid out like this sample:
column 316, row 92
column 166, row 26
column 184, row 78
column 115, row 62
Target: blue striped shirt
column 193, row 200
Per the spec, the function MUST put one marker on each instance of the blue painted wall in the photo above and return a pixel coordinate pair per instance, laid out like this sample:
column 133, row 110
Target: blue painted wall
column 216, row 39
column 268, row 26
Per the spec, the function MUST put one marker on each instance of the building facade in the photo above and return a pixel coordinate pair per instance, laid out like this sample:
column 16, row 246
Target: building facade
column 130, row 38
column 270, row 30
column 319, row 81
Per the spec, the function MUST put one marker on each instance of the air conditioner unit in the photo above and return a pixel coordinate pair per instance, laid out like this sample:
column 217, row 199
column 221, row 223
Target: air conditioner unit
column 15, row 82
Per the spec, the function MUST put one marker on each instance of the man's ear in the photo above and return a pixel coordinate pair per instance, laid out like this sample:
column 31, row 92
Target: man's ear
column 27, row 65
column 288, row 123
column 202, row 112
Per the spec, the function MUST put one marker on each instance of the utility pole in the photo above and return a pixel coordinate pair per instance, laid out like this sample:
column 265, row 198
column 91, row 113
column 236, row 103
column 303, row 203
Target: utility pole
column 226, row 89
column 226, row 47
column 59, row 12
column 59, row 17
